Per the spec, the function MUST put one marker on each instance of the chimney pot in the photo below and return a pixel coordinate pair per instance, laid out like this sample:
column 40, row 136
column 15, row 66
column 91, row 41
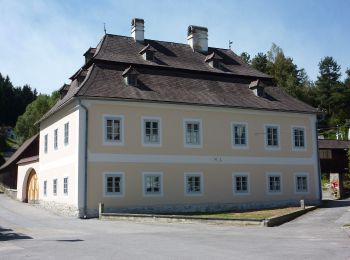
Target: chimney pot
column 197, row 38
column 138, row 29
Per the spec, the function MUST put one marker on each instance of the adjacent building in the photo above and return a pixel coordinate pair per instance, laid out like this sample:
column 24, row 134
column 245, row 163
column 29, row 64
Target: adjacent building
column 155, row 126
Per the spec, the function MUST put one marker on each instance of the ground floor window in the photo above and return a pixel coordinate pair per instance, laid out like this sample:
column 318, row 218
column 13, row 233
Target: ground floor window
column 240, row 183
column 114, row 184
column 301, row 183
column 274, row 183
column 152, row 183
column 65, row 186
column 54, row 187
column 193, row 183
column 45, row 188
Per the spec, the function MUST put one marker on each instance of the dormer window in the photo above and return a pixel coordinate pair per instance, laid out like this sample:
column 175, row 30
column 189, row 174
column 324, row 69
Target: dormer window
column 257, row 87
column 214, row 60
column 130, row 76
column 148, row 53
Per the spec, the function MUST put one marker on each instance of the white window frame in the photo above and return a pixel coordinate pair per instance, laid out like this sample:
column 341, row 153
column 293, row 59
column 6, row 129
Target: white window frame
column 239, row 146
column 234, row 183
column 55, row 139
column 46, row 143
column 272, row 147
column 274, row 174
column 184, row 126
column 295, row 148
column 104, row 130
column 193, row 174
column 54, row 190
column 64, row 192
column 122, row 185
column 144, row 119
column 66, row 134
column 301, row 174
column 45, row 188
column 152, row 174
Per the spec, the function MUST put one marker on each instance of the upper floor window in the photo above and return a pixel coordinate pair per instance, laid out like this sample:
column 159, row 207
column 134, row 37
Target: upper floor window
column 272, row 136
column 66, row 133
column 193, row 183
column 113, row 130
column 46, row 143
column 240, row 135
column 152, row 183
column 151, row 131
column 114, row 184
column 193, row 132
column 298, row 138
column 55, row 139
column 274, row 183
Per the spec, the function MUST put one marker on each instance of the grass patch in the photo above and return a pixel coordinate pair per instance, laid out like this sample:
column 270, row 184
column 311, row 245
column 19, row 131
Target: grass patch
column 254, row 214
column 346, row 225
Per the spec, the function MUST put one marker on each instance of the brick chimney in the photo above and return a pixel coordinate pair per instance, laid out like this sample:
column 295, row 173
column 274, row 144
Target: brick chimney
column 138, row 29
column 197, row 38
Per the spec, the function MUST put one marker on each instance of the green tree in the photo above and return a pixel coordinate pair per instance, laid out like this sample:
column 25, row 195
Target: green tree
column 259, row 62
column 245, row 57
column 331, row 94
column 25, row 126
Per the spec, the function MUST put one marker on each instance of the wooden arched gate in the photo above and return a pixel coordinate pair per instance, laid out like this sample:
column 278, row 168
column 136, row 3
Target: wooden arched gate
column 32, row 187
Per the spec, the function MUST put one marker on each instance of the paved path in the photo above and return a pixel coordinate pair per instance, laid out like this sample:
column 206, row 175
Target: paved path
column 33, row 233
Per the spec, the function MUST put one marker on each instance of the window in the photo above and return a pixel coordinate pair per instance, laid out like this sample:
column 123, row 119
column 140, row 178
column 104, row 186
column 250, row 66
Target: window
column 151, row 131
column 46, row 143
column 114, row 184
column 66, row 133
column 239, row 135
column 193, row 133
column 152, row 183
column 241, row 183
column 45, row 188
column 65, row 186
column 301, row 183
column 193, row 184
column 113, row 133
column 325, row 154
column 298, row 138
column 274, row 183
column 54, row 187
column 55, row 139
column 272, row 136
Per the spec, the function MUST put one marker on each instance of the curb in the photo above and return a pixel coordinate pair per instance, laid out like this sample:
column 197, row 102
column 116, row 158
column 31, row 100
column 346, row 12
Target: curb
column 275, row 221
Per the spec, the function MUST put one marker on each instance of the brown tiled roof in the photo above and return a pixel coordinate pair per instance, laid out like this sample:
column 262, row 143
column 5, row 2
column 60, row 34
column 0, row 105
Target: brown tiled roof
column 177, row 87
column 29, row 159
column 178, row 75
column 20, row 151
column 333, row 144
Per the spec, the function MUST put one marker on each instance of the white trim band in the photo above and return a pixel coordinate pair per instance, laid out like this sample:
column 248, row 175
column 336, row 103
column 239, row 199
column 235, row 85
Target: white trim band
column 197, row 159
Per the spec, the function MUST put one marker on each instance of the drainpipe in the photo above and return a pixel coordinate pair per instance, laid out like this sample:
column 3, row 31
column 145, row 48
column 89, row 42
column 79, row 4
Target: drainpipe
column 318, row 165
column 85, row 157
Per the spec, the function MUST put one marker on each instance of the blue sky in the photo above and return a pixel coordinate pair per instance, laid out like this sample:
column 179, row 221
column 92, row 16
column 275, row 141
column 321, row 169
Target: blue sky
column 42, row 41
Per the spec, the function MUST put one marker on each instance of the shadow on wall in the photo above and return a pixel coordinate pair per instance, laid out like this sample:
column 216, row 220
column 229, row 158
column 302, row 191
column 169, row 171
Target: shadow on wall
column 335, row 203
column 8, row 234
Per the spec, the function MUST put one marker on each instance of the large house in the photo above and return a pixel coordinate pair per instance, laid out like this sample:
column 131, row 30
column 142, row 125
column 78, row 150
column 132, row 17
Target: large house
column 154, row 126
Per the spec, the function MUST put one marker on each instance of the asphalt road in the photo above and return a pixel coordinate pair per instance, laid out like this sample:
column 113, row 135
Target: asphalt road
column 33, row 233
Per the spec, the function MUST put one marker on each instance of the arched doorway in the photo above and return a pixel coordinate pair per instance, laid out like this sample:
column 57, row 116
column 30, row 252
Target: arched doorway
column 32, row 195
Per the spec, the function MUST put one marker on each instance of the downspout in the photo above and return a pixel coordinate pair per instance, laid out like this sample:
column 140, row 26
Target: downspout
column 318, row 165
column 85, row 157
